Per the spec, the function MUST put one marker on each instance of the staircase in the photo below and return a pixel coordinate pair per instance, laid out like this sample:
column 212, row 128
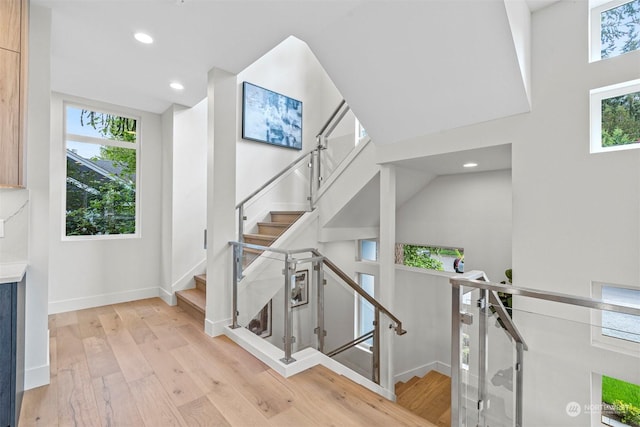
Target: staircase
column 193, row 301
column 428, row 397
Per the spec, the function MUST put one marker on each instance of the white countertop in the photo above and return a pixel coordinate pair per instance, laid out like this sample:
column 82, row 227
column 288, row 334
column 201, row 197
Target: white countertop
column 12, row 271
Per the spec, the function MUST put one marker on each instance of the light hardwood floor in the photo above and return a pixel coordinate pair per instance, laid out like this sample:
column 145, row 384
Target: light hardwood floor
column 144, row 363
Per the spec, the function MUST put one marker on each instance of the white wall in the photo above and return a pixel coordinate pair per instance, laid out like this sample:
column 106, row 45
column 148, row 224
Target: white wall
column 189, row 189
column 575, row 215
column 423, row 304
column 292, row 70
column 14, row 205
column 166, row 274
column 96, row 272
column 184, row 196
column 37, row 162
column 470, row 211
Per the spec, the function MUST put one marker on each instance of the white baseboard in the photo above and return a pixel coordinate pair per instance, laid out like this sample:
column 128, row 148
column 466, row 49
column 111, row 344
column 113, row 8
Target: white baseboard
column 422, row 370
column 100, row 300
column 444, row 368
column 214, row 329
column 36, row 377
column 168, row 297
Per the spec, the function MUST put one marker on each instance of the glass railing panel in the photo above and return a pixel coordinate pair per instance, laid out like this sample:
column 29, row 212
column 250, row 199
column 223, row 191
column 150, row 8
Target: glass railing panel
column 501, row 373
column 257, row 303
column 302, row 296
column 338, row 145
column 339, row 313
column 565, row 364
column 358, row 359
column 470, row 349
column 577, row 367
column 287, row 193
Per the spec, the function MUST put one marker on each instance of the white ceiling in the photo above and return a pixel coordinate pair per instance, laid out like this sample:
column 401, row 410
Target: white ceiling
column 488, row 159
column 406, row 67
column 413, row 175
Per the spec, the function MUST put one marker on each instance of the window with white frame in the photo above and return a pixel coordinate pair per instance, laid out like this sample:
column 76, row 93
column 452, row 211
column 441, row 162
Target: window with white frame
column 620, row 325
column 102, row 157
column 364, row 309
column 368, row 250
column 615, row 117
column 614, row 28
column 617, row 330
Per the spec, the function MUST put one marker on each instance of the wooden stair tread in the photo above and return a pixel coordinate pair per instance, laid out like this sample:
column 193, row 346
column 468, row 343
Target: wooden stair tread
column 258, row 236
column 272, row 228
column 289, row 212
column 265, row 239
column 275, row 224
column 402, row 387
column 196, row 298
column 286, row 216
column 428, row 397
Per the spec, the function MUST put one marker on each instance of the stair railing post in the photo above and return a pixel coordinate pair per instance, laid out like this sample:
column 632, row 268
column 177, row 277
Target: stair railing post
column 236, row 263
column 289, row 272
column 375, row 371
column 312, row 175
column 319, row 279
column 519, row 384
column 241, row 219
column 483, row 354
column 456, row 325
column 319, row 165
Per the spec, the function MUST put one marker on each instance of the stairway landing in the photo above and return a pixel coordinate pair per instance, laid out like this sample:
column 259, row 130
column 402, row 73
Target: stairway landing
column 428, row 397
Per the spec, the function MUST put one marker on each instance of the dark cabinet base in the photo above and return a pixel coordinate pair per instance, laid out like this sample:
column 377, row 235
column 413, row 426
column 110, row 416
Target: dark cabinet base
column 12, row 297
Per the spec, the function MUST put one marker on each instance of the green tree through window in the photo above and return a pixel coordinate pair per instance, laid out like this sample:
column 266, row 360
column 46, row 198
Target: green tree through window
column 620, row 29
column 101, row 173
column 621, row 120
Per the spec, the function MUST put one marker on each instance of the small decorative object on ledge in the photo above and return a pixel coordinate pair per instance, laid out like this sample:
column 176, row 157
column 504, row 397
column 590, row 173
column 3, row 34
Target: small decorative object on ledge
column 270, row 117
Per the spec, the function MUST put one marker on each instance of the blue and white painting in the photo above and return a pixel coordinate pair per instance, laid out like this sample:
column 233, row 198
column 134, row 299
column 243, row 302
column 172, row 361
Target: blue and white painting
column 270, row 117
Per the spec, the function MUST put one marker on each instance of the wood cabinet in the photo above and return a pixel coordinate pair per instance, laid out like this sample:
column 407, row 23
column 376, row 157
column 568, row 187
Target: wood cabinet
column 13, row 82
column 11, row 351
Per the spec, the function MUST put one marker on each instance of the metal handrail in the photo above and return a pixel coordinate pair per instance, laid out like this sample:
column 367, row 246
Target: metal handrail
column 341, row 274
column 351, row 344
column 489, row 291
column 548, row 296
column 333, row 116
column 275, row 177
column 358, row 289
column 335, row 123
column 507, row 321
column 318, row 260
column 270, row 248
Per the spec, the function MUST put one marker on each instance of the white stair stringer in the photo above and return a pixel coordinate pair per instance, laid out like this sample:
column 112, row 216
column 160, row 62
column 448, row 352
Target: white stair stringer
column 304, row 359
column 344, row 184
column 263, row 278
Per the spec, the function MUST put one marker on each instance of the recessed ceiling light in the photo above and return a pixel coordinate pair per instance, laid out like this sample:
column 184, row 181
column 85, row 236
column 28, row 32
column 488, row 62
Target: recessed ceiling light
column 143, row 38
column 176, row 86
column 470, row 165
